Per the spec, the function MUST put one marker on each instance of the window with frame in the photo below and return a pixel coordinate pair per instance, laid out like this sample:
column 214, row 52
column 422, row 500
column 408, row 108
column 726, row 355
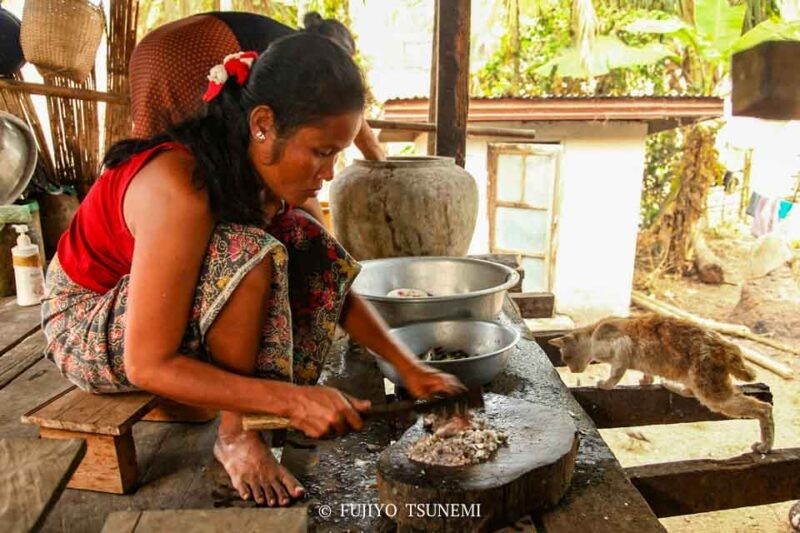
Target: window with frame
column 523, row 185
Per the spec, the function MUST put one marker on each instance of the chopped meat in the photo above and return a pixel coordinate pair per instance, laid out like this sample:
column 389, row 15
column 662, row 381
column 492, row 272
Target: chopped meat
column 447, row 426
column 458, row 441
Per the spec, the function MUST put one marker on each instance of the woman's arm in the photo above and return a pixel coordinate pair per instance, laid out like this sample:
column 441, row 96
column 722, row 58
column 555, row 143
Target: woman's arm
column 367, row 142
column 367, row 328
column 172, row 224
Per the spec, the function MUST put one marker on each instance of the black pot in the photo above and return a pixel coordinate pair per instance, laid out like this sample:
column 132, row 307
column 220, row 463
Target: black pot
column 11, row 58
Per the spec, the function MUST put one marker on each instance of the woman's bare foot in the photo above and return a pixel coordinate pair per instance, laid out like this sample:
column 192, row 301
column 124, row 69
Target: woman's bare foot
column 253, row 469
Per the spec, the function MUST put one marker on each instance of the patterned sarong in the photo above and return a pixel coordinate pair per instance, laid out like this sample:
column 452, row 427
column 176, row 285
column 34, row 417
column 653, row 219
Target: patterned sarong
column 311, row 276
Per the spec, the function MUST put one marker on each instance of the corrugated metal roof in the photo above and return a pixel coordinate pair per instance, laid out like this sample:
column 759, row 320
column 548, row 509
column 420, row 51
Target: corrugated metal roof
column 648, row 109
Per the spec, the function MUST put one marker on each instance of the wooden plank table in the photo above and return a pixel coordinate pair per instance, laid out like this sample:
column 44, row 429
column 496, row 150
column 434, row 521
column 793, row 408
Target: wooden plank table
column 340, row 474
column 178, row 470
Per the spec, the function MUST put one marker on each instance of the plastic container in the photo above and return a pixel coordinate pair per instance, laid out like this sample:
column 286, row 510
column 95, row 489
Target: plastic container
column 27, row 214
column 28, row 273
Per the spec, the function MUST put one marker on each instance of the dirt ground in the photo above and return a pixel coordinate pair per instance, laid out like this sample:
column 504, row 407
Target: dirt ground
column 716, row 440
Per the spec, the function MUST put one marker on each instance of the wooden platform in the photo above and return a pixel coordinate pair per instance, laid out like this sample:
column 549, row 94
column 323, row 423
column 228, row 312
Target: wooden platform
column 294, row 520
column 177, row 469
column 33, row 473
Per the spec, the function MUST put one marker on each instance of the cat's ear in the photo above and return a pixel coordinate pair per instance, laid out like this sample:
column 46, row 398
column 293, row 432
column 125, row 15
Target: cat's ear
column 558, row 342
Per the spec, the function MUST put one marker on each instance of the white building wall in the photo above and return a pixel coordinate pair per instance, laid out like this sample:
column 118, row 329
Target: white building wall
column 598, row 216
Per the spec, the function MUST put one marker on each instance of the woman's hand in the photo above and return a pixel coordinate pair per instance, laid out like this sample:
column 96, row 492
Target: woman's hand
column 318, row 411
column 424, row 381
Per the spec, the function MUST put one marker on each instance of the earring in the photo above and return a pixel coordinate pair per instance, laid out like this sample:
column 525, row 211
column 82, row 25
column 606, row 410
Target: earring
column 260, row 137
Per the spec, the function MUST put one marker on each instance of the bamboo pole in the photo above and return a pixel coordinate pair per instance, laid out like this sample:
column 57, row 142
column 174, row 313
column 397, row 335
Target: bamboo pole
column 491, row 131
column 402, row 126
column 765, row 362
column 20, row 104
column 123, row 15
column 643, row 300
column 663, row 308
column 723, row 327
column 62, row 92
column 486, row 131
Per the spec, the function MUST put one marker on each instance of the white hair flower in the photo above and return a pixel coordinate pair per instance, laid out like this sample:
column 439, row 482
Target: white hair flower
column 218, row 74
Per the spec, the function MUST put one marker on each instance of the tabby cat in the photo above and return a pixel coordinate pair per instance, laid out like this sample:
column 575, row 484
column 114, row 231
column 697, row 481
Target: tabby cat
column 700, row 361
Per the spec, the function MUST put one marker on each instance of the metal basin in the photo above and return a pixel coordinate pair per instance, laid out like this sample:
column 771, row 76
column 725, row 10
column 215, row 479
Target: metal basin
column 491, row 343
column 460, row 287
column 17, row 157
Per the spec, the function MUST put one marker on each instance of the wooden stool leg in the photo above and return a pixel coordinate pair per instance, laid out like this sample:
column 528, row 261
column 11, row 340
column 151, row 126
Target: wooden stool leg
column 109, row 464
column 169, row 411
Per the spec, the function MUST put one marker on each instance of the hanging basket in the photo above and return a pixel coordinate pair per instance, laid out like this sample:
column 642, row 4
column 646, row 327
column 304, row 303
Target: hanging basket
column 61, row 37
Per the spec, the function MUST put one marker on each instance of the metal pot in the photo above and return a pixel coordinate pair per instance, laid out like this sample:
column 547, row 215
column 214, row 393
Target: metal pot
column 460, row 287
column 491, row 342
column 17, row 157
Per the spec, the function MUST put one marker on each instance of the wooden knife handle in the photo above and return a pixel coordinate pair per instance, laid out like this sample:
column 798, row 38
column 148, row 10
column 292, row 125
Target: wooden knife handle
column 265, row 422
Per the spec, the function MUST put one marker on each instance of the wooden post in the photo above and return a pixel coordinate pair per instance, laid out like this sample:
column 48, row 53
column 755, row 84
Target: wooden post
column 765, row 81
column 452, row 84
column 434, row 79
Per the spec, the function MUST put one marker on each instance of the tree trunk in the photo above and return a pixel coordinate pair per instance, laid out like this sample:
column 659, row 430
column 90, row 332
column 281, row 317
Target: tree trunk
column 670, row 240
column 706, row 262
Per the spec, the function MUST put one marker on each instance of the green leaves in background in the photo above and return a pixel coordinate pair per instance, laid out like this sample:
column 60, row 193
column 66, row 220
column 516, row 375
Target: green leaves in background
column 673, row 26
column 719, row 24
column 769, row 30
column 609, row 52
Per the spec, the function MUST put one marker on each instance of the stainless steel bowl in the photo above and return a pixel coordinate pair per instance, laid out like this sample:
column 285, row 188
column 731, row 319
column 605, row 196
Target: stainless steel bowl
column 491, row 343
column 460, row 287
column 17, row 157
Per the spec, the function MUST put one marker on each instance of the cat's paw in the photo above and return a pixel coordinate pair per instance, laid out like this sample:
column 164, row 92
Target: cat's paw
column 761, row 447
column 605, row 385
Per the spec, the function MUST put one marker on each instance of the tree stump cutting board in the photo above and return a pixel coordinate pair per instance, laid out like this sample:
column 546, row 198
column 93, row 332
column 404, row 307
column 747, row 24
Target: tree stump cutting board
column 530, row 473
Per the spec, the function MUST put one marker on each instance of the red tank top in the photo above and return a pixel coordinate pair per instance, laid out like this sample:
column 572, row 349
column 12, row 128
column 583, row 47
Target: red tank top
column 97, row 248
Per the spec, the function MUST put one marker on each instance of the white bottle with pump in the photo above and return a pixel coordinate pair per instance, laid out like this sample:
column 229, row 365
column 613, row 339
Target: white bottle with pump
column 28, row 273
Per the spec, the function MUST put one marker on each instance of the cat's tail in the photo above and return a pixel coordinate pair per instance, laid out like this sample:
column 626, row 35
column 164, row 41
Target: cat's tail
column 738, row 368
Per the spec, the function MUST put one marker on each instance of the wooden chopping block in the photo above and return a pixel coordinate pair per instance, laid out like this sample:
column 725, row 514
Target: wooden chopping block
column 532, row 472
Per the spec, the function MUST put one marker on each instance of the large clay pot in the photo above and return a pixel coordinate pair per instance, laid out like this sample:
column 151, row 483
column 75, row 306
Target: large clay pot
column 406, row 206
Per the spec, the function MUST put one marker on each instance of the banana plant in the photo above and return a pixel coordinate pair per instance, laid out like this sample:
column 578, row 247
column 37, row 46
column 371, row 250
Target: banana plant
column 710, row 39
column 769, row 30
column 608, row 52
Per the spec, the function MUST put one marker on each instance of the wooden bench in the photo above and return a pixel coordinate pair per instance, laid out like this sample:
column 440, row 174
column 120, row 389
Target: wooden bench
column 105, row 423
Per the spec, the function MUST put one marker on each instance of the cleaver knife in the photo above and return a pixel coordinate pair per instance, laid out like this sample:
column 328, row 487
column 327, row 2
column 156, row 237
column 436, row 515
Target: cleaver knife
column 471, row 398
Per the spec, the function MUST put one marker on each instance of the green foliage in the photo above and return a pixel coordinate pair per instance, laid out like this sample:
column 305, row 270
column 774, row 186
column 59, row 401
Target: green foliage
column 718, row 24
column 283, row 12
column 631, row 63
column 541, row 38
column 769, row 30
column 662, row 157
column 609, row 52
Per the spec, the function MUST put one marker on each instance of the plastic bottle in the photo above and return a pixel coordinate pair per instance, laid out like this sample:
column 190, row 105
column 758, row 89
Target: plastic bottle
column 28, row 273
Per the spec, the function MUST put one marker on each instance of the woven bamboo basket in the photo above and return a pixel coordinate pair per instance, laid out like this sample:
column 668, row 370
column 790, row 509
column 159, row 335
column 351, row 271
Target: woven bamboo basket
column 61, row 37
